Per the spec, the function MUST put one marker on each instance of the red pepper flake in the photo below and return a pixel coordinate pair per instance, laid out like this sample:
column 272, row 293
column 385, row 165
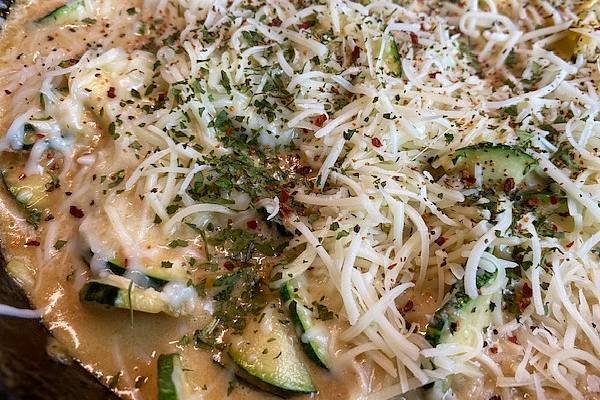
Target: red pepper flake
column 440, row 241
column 414, row 38
column 284, row 196
column 303, row 170
column 509, row 185
column 320, row 120
column 408, row 306
column 524, row 303
column 111, row 92
column 376, row 142
column 32, row 243
column 493, row 350
column 513, row 339
column 569, row 245
column 76, row 212
column 534, row 201
column 391, row 266
column 228, row 265
column 252, row 224
column 470, row 180
column 553, row 200
column 229, row 131
column 527, row 292
column 304, row 25
column 284, row 210
column 275, row 22
column 355, row 53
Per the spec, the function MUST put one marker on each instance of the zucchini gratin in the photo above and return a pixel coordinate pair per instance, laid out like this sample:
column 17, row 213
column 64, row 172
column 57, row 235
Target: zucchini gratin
column 322, row 198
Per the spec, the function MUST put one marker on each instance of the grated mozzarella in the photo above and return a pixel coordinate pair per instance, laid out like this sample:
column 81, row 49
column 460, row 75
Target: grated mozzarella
column 393, row 221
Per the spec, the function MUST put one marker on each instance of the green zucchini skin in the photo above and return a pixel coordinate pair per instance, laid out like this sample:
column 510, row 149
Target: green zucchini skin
column 166, row 365
column 108, row 294
column 302, row 318
column 154, row 277
column 96, row 292
column 287, row 292
column 391, row 57
column 499, row 163
column 315, row 350
column 29, row 136
column 62, row 13
column 227, row 362
column 155, row 283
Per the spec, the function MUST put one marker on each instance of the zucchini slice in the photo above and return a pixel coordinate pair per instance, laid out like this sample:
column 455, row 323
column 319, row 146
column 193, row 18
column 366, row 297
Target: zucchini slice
column 69, row 12
column 391, row 57
column 167, row 366
column 20, row 272
column 270, row 360
column 315, row 346
column 439, row 390
column 574, row 43
column 154, row 277
column 455, row 320
column 172, row 383
column 30, row 191
column 499, row 162
column 109, row 294
column 29, row 136
column 115, row 267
